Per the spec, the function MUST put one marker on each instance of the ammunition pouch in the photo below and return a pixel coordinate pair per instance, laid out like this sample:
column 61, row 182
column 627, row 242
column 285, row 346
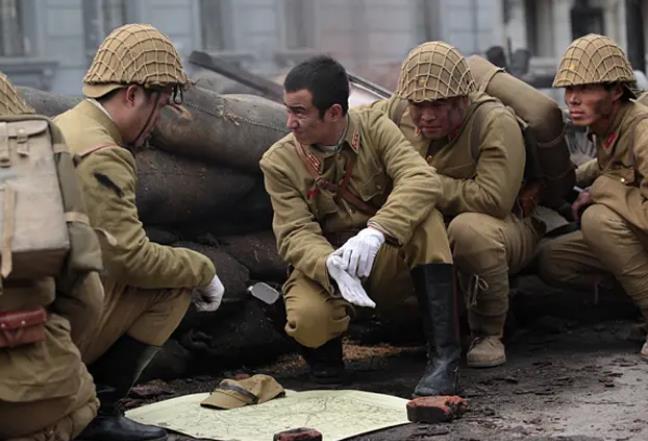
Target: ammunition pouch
column 23, row 327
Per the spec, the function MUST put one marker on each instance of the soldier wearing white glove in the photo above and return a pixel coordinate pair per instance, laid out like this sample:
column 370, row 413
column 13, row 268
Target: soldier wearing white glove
column 350, row 287
column 208, row 298
column 359, row 252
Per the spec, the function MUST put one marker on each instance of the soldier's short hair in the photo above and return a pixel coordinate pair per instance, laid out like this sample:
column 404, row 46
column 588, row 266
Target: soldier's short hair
column 325, row 78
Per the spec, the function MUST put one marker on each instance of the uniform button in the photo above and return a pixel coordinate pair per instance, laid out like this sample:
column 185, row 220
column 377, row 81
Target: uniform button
column 379, row 187
column 623, row 180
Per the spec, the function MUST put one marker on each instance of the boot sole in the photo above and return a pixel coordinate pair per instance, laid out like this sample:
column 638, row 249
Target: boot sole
column 486, row 364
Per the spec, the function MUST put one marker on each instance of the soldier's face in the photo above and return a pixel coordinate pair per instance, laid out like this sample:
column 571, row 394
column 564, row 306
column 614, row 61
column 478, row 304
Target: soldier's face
column 590, row 104
column 437, row 119
column 304, row 119
column 146, row 114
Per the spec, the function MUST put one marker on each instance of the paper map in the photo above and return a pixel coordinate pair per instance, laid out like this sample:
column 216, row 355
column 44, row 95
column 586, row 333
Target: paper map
column 336, row 414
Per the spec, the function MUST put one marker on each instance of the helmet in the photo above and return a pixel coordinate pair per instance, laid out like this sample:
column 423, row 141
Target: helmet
column 593, row 59
column 11, row 103
column 134, row 54
column 432, row 71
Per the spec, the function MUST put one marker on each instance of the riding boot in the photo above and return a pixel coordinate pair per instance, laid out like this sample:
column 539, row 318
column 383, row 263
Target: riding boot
column 326, row 362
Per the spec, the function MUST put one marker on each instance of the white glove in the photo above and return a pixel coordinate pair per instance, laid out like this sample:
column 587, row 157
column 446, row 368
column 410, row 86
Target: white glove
column 359, row 252
column 350, row 287
column 208, row 298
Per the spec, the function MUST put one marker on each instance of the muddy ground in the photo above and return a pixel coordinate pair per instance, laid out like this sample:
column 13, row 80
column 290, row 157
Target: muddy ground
column 564, row 380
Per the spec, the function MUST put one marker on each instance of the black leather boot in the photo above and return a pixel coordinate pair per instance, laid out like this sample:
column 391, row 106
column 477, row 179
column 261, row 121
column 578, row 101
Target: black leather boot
column 438, row 305
column 114, row 374
column 326, row 362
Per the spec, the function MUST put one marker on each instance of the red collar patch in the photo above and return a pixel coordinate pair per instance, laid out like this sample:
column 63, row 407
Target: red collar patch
column 610, row 140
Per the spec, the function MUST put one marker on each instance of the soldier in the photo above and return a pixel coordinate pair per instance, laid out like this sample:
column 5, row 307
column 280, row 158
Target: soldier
column 476, row 146
column 613, row 238
column 354, row 208
column 148, row 287
column 46, row 391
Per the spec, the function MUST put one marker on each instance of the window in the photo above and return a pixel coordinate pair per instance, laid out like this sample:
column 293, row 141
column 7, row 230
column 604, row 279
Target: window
column 113, row 14
column 299, row 24
column 539, row 27
column 213, row 29
column 12, row 37
column 586, row 19
column 427, row 17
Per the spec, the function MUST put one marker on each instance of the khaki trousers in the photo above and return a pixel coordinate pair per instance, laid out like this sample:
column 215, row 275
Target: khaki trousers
column 607, row 243
column 148, row 315
column 56, row 419
column 314, row 317
column 486, row 250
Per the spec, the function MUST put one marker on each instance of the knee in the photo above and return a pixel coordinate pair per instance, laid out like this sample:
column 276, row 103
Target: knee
column 473, row 239
column 312, row 325
column 599, row 222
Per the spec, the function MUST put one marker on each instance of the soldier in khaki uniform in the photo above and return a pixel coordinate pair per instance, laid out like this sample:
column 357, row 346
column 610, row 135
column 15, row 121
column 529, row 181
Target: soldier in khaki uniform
column 46, row 392
column 148, row 287
column 476, row 146
column 613, row 237
column 354, row 209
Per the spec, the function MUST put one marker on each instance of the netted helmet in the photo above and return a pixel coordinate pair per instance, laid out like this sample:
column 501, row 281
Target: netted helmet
column 134, row 54
column 432, row 71
column 593, row 59
column 11, row 103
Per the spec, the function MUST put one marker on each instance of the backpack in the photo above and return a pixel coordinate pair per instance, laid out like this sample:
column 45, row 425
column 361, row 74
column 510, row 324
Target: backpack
column 43, row 225
column 543, row 129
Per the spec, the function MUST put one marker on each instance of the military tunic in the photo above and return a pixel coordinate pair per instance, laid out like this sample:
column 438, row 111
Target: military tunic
column 480, row 169
column 614, row 229
column 309, row 220
column 147, row 285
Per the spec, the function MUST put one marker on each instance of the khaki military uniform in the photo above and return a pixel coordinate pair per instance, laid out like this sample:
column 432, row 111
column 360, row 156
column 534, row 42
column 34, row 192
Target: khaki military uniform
column 480, row 170
column 46, row 393
column 310, row 222
column 147, row 285
column 614, row 230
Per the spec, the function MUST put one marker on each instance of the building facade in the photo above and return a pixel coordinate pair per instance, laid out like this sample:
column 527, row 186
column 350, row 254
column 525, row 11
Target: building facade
column 49, row 44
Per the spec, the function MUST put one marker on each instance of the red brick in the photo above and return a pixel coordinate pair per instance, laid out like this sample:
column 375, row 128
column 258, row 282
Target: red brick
column 300, row 434
column 435, row 409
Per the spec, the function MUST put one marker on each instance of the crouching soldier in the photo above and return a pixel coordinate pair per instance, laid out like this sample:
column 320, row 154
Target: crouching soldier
column 613, row 237
column 148, row 287
column 49, row 288
column 476, row 146
column 354, row 210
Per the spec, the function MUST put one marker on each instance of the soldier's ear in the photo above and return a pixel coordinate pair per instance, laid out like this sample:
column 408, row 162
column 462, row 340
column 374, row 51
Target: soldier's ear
column 617, row 92
column 335, row 112
column 130, row 94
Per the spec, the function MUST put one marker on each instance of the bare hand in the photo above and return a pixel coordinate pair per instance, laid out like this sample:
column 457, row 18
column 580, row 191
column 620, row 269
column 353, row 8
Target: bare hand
column 583, row 200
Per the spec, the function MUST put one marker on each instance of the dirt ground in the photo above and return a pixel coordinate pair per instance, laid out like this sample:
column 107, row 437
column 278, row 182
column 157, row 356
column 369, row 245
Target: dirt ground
column 563, row 381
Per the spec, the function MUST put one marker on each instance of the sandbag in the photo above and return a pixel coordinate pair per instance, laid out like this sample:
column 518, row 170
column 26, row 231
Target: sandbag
column 48, row 103
column 544, row 119
column 231, row 130
column 258, row 252
column 230, row 271
column 173, row 190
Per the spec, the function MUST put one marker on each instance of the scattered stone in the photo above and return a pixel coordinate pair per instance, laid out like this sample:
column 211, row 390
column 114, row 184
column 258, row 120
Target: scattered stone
column 436, row 409
column 300, row 434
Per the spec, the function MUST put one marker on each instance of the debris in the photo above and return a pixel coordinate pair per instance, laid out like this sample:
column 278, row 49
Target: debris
column 436, row 409
column 300, row 434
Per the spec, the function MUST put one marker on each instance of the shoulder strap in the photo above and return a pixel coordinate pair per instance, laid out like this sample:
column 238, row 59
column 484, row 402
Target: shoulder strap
column 396, row 112
column 341, row 190
column 478, row 119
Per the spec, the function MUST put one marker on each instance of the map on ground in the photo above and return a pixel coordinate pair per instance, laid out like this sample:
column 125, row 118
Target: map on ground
column 336, row 414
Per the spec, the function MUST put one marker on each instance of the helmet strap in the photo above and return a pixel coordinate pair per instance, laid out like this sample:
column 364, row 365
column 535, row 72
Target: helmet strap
column 150, row 117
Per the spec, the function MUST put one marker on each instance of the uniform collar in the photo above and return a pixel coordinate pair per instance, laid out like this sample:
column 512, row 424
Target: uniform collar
column 610, row 138
column 98, row 113
column 350, row 140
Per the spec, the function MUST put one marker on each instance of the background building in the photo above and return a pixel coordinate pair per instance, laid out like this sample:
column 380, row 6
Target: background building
column 49, row 43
